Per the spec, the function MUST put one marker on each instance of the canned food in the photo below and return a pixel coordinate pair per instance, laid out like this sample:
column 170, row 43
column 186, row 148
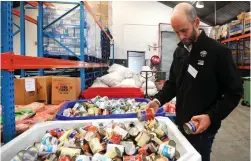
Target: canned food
column 73, row 134
column 49, row 139
column 155, row 139
column 51, row 157
column 89, row 135
column 146, row 115
column 83, row 158
column 121, row 148
column 167, row 151
column 64, row 158
column 70, row 152
column 134, row 158
column 115, row 138
column 47, row 149
column 113, row 152
column 81, row 131
column 118, row 130
column 95, row 145
column 147, row 149
column 99, row 157
column 130, row 148
column 191, row 127
column 142, row 139
column 133, row 131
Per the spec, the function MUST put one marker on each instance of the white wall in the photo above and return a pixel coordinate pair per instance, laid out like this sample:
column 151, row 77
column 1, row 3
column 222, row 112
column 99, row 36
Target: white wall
column 135, row 25
column 30, row 35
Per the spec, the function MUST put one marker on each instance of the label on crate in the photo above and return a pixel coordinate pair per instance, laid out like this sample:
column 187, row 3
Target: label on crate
column 29, row 84
column 64, row 88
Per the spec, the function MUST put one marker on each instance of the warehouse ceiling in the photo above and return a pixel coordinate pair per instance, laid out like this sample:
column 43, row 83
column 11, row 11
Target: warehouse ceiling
column 226, row 11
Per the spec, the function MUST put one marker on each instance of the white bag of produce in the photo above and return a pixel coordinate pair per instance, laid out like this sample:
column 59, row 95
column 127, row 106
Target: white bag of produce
column 150, row 85
column 127, row 83
column 98, row 83
column 151, row 92
column 138, row 80
column 112, row 79
column 115, row 67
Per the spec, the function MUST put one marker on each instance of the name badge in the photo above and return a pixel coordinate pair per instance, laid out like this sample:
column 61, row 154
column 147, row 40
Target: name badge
column 192, row 71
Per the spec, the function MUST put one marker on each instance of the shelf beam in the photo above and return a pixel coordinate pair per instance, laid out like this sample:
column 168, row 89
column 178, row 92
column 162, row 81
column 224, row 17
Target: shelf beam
column 236, row 38
column 28, row 18
column 244, row 67
column 11, row 62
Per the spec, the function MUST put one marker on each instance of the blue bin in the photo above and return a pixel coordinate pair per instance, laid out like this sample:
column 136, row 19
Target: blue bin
column 70, row 104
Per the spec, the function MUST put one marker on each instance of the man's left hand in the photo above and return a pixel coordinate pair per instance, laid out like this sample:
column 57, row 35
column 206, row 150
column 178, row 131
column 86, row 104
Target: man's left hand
column 204, row 123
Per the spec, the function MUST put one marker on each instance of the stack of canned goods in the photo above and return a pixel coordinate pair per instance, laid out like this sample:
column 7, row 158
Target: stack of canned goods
column 129, row 141
column 104, row 106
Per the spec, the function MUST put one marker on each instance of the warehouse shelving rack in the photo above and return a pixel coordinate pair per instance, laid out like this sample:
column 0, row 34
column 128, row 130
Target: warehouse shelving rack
column 235, row 43
column 11, row 62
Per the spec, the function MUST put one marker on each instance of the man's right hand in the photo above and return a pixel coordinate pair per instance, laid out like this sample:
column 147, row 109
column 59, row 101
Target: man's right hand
column 153, row 105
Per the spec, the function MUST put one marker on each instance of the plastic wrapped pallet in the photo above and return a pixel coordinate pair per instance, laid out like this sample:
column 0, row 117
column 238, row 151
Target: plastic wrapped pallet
column 34, row 134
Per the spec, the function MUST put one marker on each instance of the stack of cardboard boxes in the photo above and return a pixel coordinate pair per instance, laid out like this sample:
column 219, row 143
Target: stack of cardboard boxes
column 46, row 89
column 100, row 8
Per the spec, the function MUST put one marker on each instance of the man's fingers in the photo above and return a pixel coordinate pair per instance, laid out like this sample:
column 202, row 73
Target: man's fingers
column 196, row 118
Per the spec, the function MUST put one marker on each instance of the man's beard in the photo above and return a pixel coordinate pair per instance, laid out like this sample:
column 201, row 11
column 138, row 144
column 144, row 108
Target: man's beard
column 191, row 39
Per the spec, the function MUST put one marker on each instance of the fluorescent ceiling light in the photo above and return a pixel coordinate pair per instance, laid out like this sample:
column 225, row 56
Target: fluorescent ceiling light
column 200, row 4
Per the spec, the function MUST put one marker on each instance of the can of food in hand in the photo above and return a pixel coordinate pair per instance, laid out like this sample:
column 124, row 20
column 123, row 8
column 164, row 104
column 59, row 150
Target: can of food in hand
column 146, row 115
column 167, row 151
column 191, row 127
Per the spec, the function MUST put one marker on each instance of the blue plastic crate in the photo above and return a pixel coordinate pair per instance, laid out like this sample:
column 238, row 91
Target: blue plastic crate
column 70, row 104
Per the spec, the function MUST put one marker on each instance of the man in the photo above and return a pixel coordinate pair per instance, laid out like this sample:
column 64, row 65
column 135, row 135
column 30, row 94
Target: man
column 203, row 78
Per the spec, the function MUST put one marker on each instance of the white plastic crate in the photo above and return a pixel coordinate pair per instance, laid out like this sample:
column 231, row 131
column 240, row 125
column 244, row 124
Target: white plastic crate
column 35, row 134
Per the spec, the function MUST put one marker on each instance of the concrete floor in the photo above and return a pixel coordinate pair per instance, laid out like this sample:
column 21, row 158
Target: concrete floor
column 232, row 142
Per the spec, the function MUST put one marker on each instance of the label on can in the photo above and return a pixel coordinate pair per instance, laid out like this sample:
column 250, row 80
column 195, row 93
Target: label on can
column 133, row 158
column 167, row 150
column 70, row 152
column 121, row 148
column 72, row 134
column 83, row 158
column 120, row 131
column 47, row 149
column 95, row 145
column 99, row 157
column 143, row 139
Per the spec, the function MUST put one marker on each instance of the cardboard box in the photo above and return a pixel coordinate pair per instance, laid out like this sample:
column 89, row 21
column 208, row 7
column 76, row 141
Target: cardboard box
column 241, row 16
column 43, row 84
column 65, row 89
column 22, row 87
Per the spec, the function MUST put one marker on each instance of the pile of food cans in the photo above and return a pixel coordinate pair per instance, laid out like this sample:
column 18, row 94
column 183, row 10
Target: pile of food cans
column 104, row 106
column 111, row 141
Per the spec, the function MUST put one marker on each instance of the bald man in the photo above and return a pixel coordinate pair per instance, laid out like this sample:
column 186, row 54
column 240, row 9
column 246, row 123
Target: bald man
column 203, row 78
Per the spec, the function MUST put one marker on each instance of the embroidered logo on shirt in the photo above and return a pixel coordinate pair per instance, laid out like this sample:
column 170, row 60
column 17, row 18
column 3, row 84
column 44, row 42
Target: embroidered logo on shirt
column 200, row 62
column 203, row 53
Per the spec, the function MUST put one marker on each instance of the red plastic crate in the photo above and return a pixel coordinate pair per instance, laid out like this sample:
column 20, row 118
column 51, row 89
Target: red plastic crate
column 114, row 92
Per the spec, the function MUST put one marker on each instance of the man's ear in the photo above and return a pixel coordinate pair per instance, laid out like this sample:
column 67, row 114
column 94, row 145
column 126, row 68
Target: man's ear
column 197, row 22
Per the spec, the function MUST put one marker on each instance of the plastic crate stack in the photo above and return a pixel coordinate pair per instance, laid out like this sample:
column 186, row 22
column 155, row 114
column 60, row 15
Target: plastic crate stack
column 105, row 45
column 67, row 32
